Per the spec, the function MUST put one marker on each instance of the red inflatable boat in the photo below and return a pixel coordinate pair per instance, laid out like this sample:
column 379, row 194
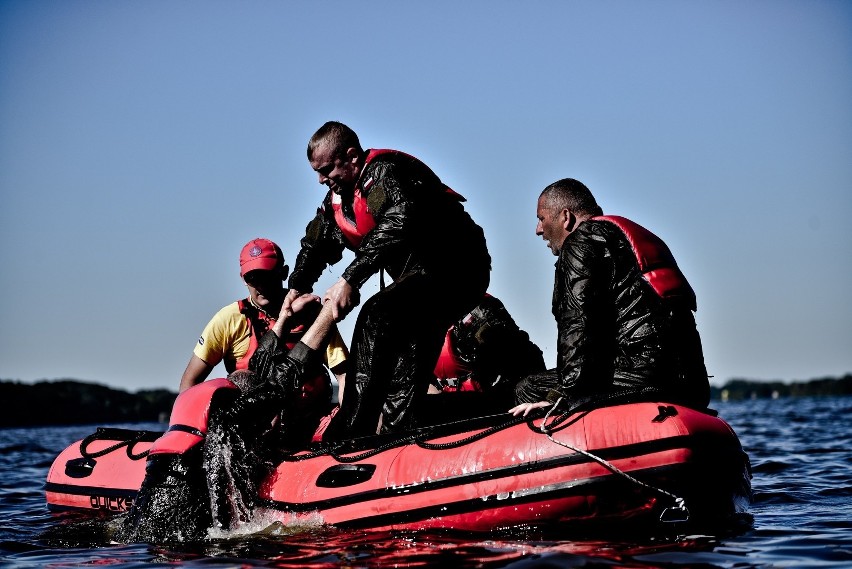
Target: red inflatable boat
column 626, row 463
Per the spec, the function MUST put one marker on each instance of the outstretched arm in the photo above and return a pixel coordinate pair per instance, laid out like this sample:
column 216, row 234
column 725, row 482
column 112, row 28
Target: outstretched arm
column 293, row 303
column 274, row 362
column 315, row 335
column 318, row 331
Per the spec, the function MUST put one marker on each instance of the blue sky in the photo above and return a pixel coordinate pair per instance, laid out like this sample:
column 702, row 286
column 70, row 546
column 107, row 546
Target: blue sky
column 143, row 143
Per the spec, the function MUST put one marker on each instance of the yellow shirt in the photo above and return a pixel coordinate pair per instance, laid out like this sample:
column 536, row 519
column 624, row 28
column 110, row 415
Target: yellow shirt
column 227, row 337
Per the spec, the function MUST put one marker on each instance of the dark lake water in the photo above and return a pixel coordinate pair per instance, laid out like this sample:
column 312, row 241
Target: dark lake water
column 800, row 449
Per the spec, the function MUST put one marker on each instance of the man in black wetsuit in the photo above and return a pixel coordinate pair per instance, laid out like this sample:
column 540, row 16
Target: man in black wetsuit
column 397, row 216
column 624, row 311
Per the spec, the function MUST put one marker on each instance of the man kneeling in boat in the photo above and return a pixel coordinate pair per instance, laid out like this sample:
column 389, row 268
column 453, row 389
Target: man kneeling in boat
column 204, row 471
column 624, row 311
column 483, row 357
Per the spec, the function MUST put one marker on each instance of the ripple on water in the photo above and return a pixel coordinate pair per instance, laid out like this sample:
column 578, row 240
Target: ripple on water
column 801, row 453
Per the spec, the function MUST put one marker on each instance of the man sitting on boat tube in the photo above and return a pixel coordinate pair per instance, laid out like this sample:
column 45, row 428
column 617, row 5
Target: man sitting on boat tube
column 624, row 312
column 233, row 334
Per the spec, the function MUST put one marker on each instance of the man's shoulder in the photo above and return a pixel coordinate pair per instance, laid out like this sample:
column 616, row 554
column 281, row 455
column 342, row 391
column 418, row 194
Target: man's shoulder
column 228, row 312
column 598, row 225
column 595, row 231
column 388, row 162
column 380, row 166
column 592, row 242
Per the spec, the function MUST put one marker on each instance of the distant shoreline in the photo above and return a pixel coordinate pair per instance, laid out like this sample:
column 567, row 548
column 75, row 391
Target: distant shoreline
column 738, row 389
column 73, row 402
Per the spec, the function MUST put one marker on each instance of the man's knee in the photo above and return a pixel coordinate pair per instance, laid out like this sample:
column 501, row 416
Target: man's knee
column 534, row 388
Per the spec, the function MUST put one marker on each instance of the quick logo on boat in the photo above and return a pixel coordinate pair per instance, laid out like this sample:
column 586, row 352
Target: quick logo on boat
column 112, row 504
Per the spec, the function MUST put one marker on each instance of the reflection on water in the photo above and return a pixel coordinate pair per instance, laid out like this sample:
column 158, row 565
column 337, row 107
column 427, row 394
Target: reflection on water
column 801, row 452
column 321, row 546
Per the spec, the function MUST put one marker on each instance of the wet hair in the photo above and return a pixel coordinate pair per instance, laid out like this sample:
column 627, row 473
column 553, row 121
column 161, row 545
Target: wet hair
column 572, row 195
column 244, row 379
column 337, row 135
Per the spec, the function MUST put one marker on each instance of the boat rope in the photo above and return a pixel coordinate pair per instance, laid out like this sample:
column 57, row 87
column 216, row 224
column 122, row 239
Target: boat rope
column 419, row 440
column 678, row 512
column 467, row 440
column 129, row 443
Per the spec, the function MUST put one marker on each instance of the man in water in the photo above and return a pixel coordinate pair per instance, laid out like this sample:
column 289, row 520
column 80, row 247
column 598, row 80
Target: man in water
column 204, row 471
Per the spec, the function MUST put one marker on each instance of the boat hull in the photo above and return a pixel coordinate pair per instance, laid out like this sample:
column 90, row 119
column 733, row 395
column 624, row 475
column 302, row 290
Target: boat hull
column 101, row 473
column 623, row 464
column 517, row 475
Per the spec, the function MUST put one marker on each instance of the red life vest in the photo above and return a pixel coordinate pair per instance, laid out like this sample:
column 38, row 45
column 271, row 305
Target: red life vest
column 355, row 230
column 451, row 373
column 259, row 323
column 449, row 366
column 364, row 220
column 656, row 261
column 188, row 422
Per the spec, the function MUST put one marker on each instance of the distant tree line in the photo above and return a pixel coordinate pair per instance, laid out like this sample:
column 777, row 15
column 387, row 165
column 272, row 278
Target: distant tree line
column 70, row 402
column 737, row 389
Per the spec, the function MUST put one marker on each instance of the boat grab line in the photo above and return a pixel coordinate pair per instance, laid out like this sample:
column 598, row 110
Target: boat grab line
column 676, row 513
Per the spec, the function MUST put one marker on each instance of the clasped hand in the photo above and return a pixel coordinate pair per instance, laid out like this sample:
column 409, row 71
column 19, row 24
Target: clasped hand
column 342, row 296
column 294, row 302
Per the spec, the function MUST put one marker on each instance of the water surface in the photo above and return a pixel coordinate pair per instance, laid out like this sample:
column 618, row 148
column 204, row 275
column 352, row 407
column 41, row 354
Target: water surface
column 801, row 454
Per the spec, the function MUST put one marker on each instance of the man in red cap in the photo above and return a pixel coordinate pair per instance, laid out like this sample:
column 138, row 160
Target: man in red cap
column 232, row 335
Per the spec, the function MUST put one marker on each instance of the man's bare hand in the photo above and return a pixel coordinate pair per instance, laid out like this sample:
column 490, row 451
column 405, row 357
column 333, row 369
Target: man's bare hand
column 288, row 309
column 343, row 298
column 292, row 295
column 303, row 300
column 525, row 408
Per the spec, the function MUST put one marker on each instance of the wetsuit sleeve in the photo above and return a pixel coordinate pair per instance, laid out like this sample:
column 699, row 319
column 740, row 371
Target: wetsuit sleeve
column 275, row 364
column 586, row 337
column 392, row 210
column 269, row 360
column 322, row 245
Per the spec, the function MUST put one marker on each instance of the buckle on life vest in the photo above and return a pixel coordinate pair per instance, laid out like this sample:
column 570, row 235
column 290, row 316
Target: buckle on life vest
column 452, row 383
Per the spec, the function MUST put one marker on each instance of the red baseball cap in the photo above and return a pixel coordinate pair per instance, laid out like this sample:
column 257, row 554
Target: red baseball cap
column 260, row 254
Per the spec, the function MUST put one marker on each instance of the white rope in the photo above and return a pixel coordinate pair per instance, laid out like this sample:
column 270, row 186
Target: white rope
column 679, row 502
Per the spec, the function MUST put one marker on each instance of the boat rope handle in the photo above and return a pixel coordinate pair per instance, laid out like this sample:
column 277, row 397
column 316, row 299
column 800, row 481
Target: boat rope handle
column 678, row 512
column 402, row 441
column 467, row 440
column 672, row 513
column 128, row 442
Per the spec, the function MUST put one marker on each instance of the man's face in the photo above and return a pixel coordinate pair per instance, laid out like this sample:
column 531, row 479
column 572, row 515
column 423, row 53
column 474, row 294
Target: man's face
column 265, row 287
column 337, row 171
column 551, row 225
